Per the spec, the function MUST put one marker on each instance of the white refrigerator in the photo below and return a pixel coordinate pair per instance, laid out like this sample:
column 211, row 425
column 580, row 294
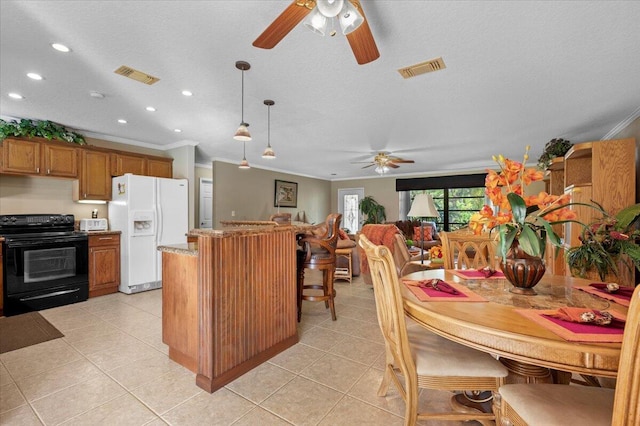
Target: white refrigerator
column 149, row 212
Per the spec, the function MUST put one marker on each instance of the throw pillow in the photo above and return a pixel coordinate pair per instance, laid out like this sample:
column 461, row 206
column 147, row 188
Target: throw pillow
column 343, row 235
column 417, row 233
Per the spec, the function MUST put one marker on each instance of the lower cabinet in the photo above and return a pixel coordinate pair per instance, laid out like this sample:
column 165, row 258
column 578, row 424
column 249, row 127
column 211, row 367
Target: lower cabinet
column 104, row 264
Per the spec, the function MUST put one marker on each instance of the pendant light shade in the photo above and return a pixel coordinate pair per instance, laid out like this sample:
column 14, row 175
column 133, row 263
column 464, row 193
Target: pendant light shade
column 244, row 164
column 242, row 134
column 316, row 22
column 268, row 152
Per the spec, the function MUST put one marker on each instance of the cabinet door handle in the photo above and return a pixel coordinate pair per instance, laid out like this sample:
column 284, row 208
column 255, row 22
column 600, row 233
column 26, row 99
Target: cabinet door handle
column 37, row 169
column 85, row 195
column 48, row 171
column 105, row 238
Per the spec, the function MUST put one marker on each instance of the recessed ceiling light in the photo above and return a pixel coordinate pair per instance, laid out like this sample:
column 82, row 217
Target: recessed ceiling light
column 150, row 108
column 60, row 47
column 122, row 121
column 187, row 93
column 16, row 96
column 34, row 76
column 177, row 130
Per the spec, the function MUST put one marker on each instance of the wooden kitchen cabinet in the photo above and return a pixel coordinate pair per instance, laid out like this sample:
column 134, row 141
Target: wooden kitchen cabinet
column 95, row 176
column 104, row 264
column 160, row 167
column 21, row 157
column 124, row 163
column 39, row 157
column 60, row 160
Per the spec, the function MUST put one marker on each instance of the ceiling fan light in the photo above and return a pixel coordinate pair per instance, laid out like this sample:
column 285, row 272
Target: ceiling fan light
column 269, row 153
column 242, row 134
column 350, row 19
column 316, row 22
column 381, row 169
column 330, row 8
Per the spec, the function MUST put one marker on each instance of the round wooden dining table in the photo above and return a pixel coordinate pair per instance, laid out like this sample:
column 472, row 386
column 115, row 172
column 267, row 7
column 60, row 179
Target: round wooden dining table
column 495, row 327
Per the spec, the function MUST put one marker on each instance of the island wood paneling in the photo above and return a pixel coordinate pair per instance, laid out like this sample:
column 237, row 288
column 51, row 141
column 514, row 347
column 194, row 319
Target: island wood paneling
column 180, row 308
column 246, row 301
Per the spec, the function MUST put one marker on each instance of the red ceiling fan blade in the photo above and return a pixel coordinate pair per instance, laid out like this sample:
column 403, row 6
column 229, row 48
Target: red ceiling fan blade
column 361, row 40
column 283, row 24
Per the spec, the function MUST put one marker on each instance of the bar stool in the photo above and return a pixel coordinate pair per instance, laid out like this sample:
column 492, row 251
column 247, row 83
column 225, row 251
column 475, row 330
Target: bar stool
column 319, row 253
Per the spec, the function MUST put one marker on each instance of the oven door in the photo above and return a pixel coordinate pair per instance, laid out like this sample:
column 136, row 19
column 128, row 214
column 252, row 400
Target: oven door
column 45, row 273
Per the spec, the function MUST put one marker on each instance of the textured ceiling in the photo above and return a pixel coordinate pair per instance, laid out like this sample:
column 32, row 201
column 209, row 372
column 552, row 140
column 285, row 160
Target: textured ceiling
column 518, row 73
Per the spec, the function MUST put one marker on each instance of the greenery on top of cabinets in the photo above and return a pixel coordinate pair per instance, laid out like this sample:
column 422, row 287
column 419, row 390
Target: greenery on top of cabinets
column 38, row 128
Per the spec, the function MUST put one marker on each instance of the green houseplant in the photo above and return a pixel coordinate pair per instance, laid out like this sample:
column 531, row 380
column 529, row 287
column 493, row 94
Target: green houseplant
column 374, row 211
column 604, row 241
column 554, row 148
column 38, row 128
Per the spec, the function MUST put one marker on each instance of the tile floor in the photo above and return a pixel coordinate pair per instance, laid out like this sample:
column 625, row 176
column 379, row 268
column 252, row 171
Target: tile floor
column 111, row 368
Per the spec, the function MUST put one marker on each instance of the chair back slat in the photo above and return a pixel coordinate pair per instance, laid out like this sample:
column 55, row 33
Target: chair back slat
column 465, row 250
column 386, row 288
column 626, row 407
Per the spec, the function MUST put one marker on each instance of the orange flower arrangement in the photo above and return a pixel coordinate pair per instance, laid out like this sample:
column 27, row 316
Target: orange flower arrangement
column 526, row 219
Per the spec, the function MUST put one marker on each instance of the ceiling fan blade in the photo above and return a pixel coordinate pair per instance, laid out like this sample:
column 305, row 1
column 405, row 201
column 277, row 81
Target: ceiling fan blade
column 392, row 165
column 400, row 160
column 361, row 40
column 372, row 164
column 282, row 25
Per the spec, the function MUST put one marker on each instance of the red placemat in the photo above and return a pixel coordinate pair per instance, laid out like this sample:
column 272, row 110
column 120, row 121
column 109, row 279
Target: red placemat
column 428, row 294
column 572, row 331
column 620, row 300
column 473, row 274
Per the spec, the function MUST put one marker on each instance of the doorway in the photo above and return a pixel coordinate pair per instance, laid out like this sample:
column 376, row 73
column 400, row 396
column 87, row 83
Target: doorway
column 206, row 203
column 348, row 206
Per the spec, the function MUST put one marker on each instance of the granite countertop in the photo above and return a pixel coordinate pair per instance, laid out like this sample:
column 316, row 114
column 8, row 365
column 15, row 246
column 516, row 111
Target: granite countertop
column 247, row 230
column 102, row 232
column 188, row 249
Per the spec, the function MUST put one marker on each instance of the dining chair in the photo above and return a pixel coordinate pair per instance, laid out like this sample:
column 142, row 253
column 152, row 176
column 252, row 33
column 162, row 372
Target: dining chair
column 417, row 358
column 549, row 405
column 462, row 249
column 319, row 252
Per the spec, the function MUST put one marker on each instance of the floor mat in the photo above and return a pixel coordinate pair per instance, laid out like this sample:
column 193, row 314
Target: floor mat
column 24, row 330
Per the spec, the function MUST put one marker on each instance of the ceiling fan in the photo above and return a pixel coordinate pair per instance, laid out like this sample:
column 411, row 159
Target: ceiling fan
column 350, row 17
column 384, row 162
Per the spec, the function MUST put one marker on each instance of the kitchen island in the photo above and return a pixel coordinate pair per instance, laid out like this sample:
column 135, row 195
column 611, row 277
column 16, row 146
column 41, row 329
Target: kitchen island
column 229, row 300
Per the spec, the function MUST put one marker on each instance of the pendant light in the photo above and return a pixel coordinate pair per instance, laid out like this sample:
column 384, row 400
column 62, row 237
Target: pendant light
column 268, row 152
column 244, row 164
column 242, row 134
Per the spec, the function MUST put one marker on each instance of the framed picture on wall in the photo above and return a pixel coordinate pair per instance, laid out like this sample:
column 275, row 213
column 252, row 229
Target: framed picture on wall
column 286, row 194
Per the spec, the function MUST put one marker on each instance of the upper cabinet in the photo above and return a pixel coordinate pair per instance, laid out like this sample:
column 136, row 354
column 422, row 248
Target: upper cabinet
column 127, row 163
column 160, row 167
column 92, row 166
column 39, row 157
column 139, row 164
column 95, row 176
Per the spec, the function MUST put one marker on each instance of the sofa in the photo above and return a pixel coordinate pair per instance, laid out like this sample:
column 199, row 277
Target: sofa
column 411, row 229
column 391, row 237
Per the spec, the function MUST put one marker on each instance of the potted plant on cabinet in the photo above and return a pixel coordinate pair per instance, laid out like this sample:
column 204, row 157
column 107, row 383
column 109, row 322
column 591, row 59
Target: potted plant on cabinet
column 554, row 148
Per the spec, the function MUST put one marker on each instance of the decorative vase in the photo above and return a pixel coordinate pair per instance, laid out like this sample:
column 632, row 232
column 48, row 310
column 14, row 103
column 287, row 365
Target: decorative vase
column 522, row 270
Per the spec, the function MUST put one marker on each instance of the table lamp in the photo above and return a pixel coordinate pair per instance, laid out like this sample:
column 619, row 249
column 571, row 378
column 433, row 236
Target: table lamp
column 423, row 207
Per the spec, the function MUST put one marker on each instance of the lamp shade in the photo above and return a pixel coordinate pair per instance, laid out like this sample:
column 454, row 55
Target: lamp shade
column 244, row 164
column 423, row 206
column 316, row 22
column 268, row 153
column 350, row 19
column 242, row 134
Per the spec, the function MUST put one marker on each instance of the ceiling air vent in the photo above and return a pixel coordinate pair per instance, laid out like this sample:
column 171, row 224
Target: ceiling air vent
column 136, row 75
column 422, row 68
